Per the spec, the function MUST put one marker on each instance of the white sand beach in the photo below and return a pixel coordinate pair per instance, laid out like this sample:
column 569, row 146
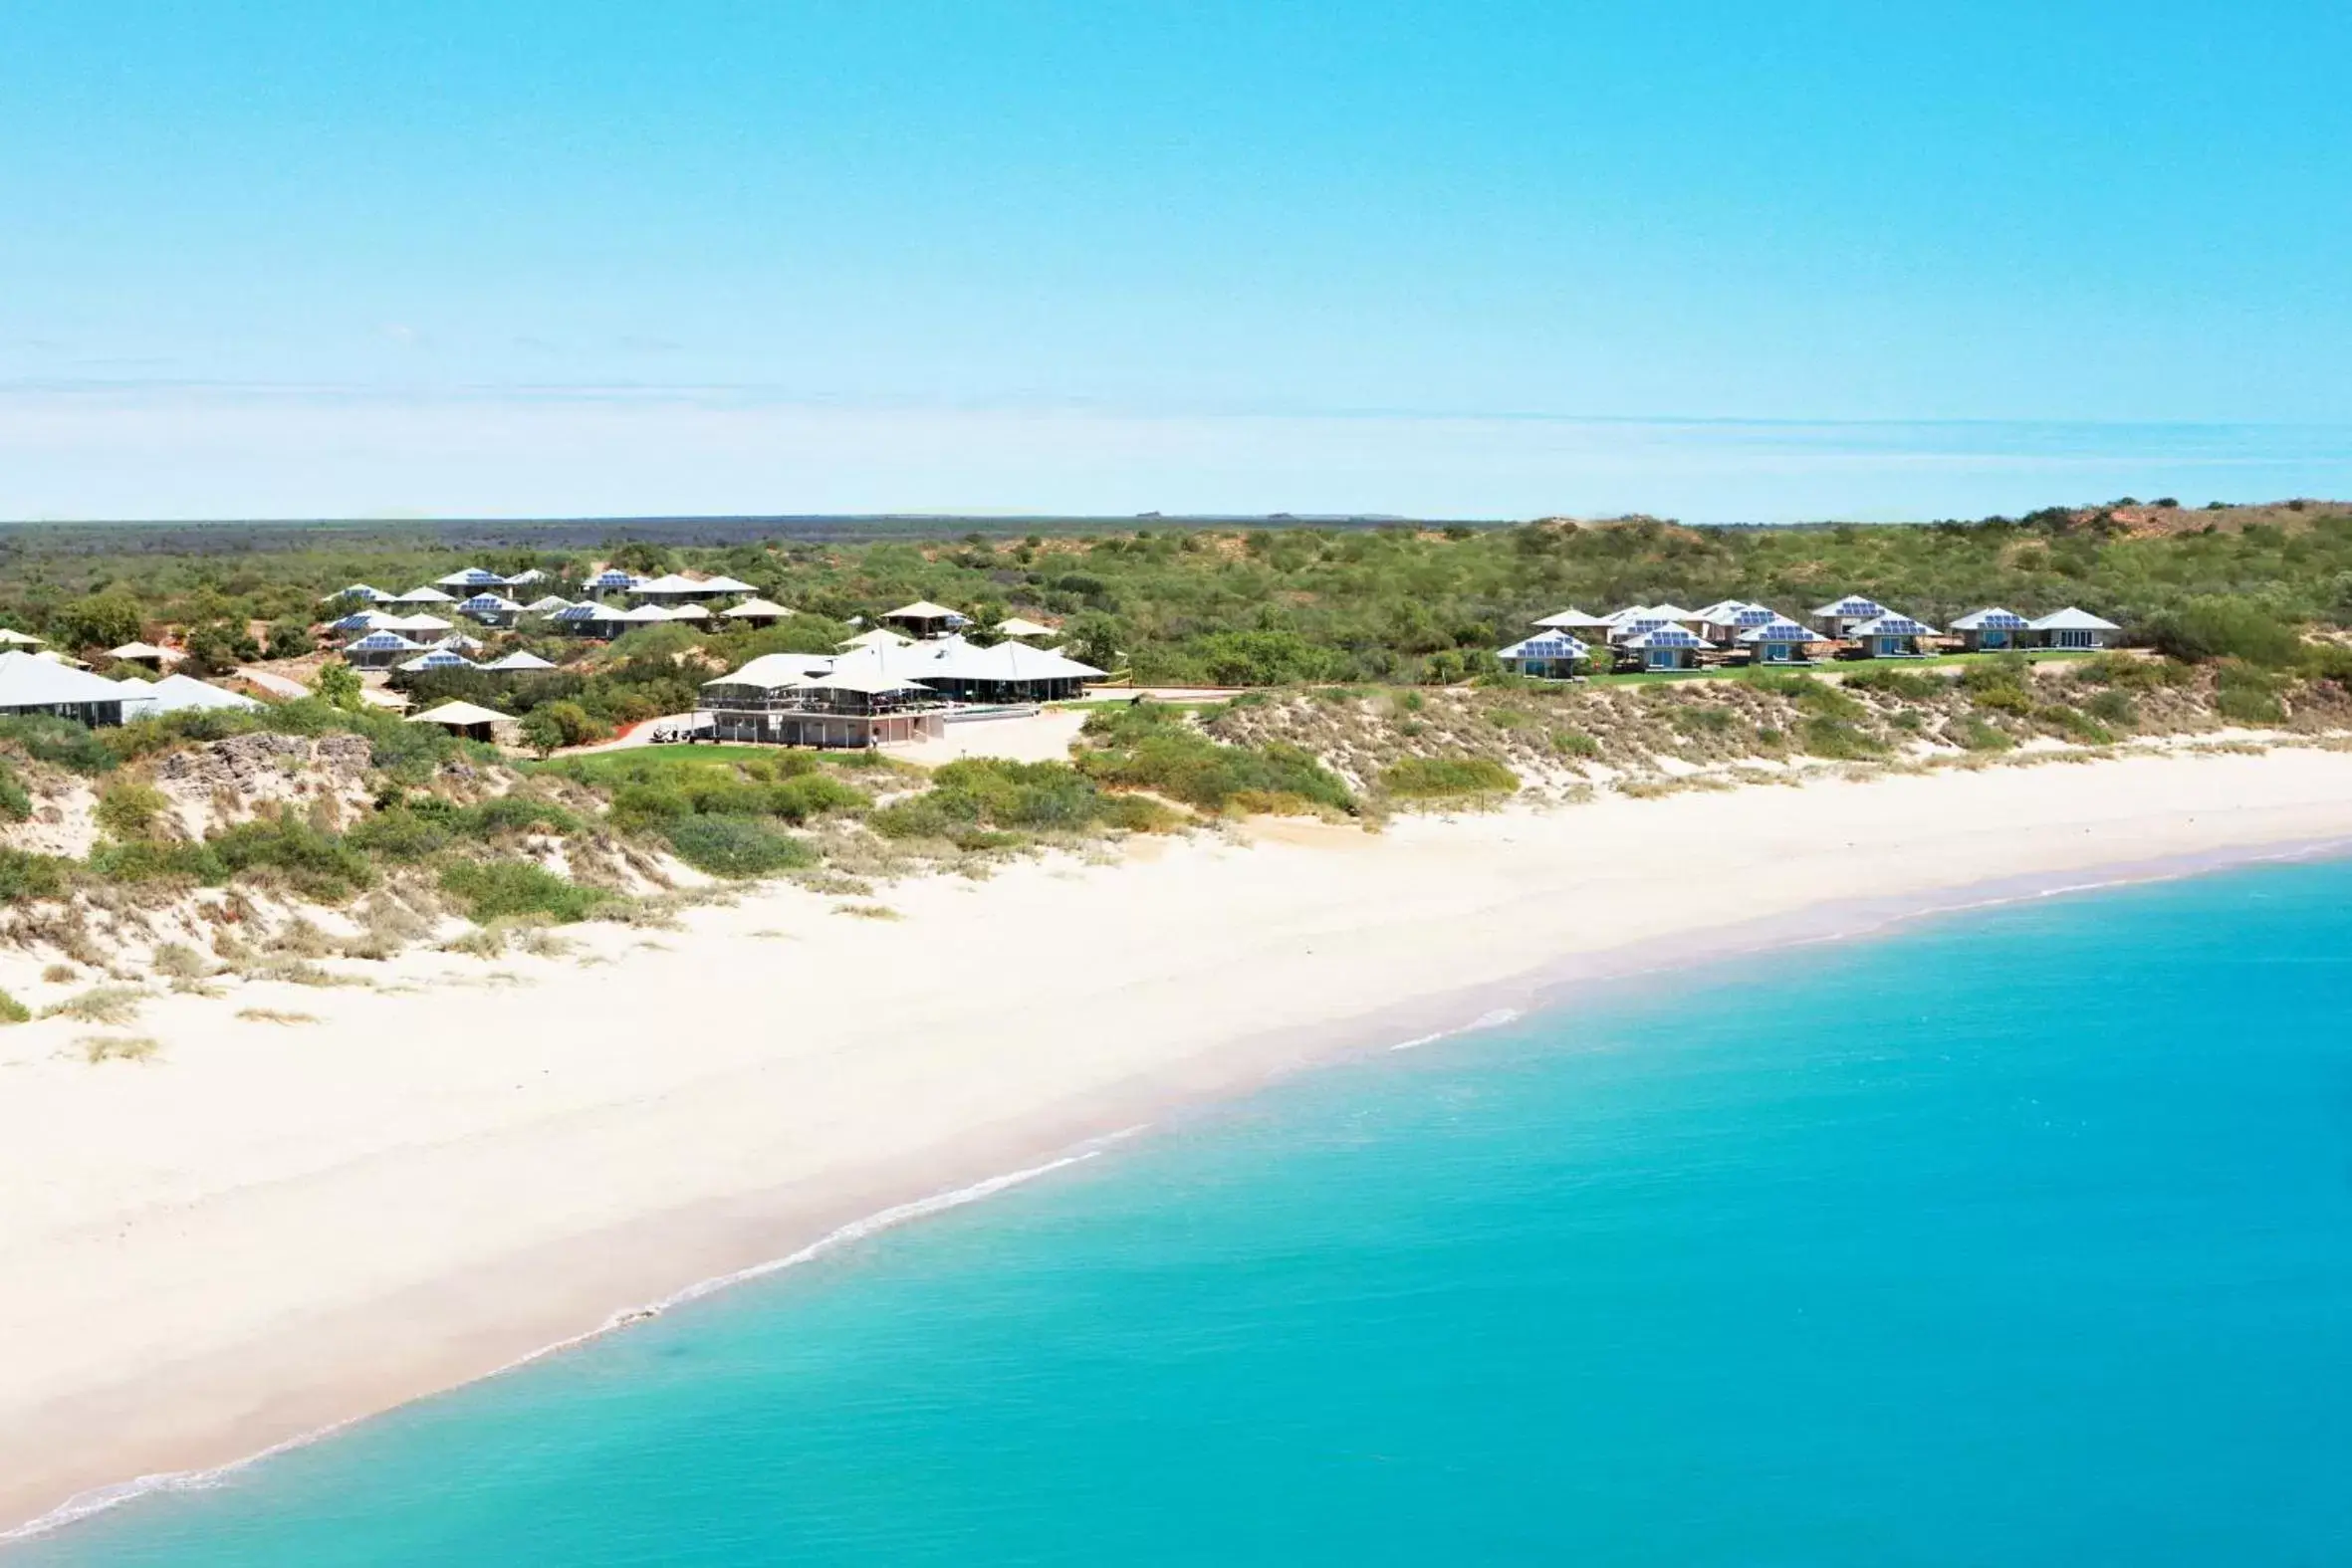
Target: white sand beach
column 268, row 1228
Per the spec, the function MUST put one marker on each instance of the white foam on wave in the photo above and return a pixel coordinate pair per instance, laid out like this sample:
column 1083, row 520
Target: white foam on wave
column 99, row 1499
column 1494, row 1018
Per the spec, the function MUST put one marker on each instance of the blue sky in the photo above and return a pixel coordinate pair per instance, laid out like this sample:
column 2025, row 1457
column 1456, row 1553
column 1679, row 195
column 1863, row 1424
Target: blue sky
column 1734, row 261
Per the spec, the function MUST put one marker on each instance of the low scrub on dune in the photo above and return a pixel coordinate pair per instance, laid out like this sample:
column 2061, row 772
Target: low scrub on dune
column 513, row 889
column 1446, row 778
column 735, row 847
column 989, row 803
column 1156, row 748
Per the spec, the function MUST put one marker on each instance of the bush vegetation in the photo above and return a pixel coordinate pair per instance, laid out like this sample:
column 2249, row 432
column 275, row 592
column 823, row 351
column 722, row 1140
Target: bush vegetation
column 1446, row 778
column 1155, row 747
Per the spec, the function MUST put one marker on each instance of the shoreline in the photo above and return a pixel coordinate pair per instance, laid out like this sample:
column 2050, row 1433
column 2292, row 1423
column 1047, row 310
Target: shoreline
column 908, row 1117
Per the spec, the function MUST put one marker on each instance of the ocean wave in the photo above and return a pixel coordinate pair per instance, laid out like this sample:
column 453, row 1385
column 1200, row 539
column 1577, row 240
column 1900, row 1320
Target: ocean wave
column 1494, row 1018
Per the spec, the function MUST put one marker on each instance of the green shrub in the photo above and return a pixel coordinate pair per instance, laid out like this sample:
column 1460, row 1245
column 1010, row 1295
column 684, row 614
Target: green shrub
column 2129, row 674
column 1444, row 778
column 2225, row 628
column 401, row 832
column 2246, row 695
column 129, row 809
column 2015, row 700
column 812, row 794
column 1699, row 718
column 61, row 742
column 726, row 797
column 1975, row 735
column 1895, row 682
column 2074, row 724
column 1138, row 813
column 1152, row 747
column 316, row 864
column 24, row 876
column 648, row 805
column 13, row 1010
column 145, row 860
column 16, row 801
column 1574, row 742
column 513, row 889
column 735, row 847
column 2113, row 706
column 1840, row 739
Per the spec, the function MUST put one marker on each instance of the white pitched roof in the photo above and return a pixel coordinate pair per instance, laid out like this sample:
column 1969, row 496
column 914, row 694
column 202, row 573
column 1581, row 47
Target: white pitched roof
column 521, row 660
column 1572, row 616
column 924, row 609
column 679, row 582
column 1007, row 661
column 776, row 670
column 460, row 712
column 1666, row 638
column 1851, row 605
column 1893, row 625
column 752, row 608
column 2073, row 620
column 879, row 637
column 1018, row 626
column 1719, row 613
column 424, row 596
column 1780, row 629
column 439, row 659
column 29, row 681
column 689, row 612
column 174, row 693
column 871, row 682
column 547, row 602
column 357, row 590
column 18, row 639
column 1545, row 645
column 138, row 650
column 418, row 623
column 472, row 577
column 1991, row 618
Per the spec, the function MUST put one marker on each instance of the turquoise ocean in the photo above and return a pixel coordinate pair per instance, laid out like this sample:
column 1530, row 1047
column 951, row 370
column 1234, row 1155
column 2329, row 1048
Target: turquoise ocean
column 2018, row 1235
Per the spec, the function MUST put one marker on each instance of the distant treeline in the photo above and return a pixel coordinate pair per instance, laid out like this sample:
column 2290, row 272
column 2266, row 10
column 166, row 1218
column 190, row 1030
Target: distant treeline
column 1261, row 605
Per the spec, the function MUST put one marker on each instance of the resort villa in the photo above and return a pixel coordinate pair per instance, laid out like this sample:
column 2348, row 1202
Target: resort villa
column 491, row 609
column 1547, row 655
column 1892, row 637
column 145, row 653
column 678, row 589
column 30, row 684
column 1780, row 640
column 1662, row 647
column 379, row 649
column 925, row 620
column 780, row 700
column 1990, row 631
column 1838, row 619
column 468, row 721
column 755, row 612
column 884, row 689
column 2074, row 628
